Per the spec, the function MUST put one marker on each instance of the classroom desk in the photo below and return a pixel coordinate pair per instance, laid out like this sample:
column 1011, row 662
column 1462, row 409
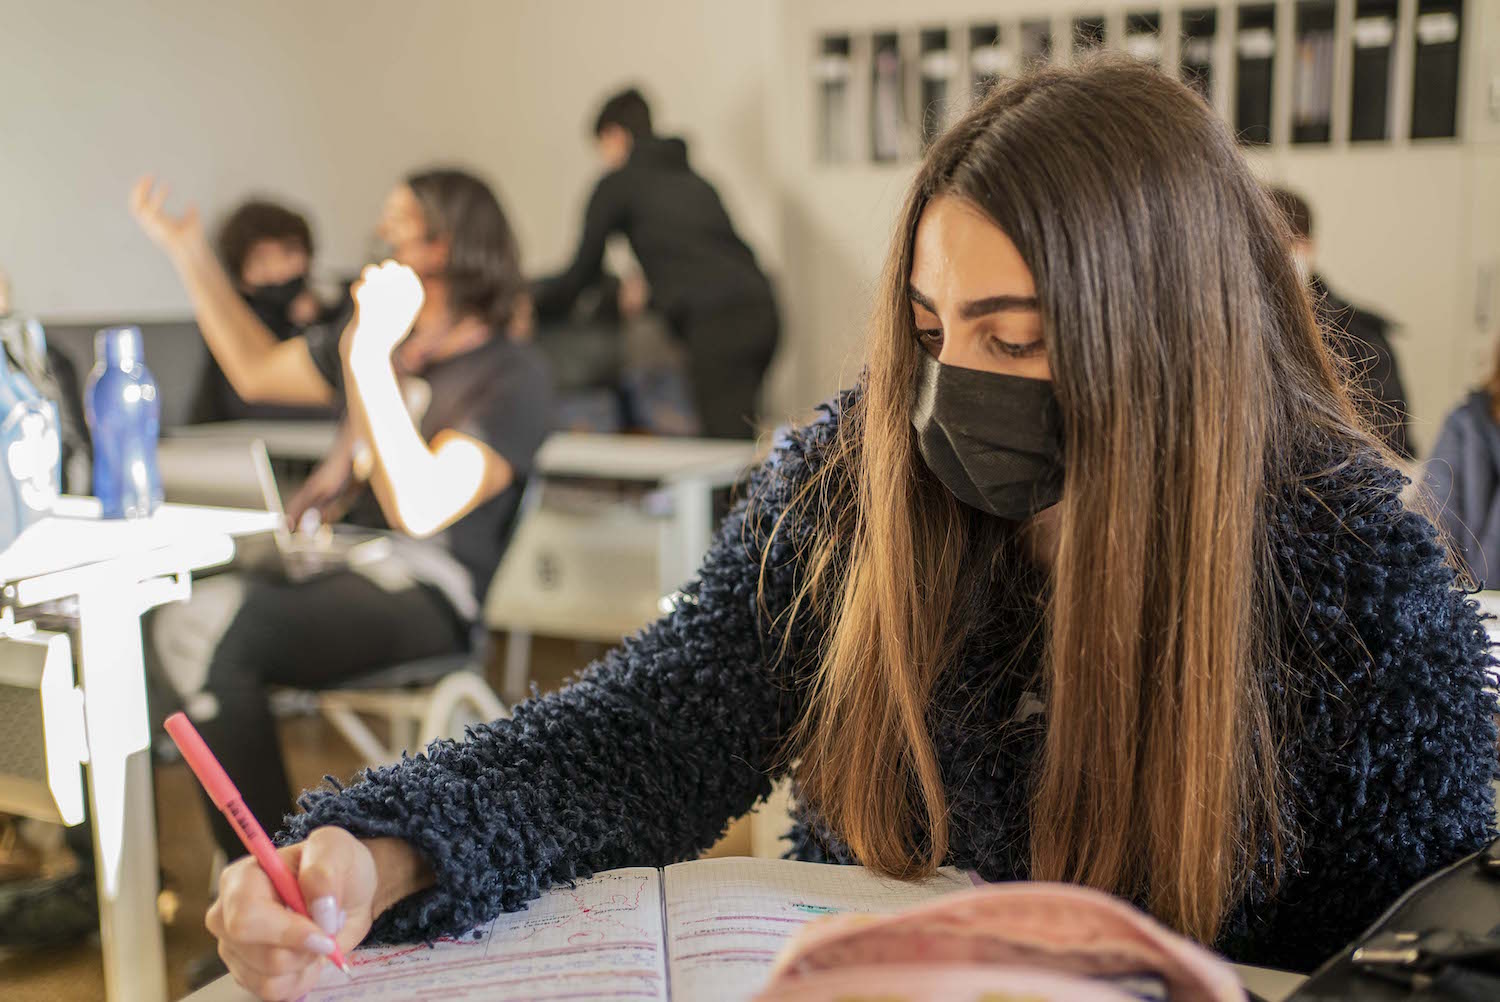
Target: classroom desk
column 665, row 544
column 688, row 470
column 590, row 563
column 1273, row 986
column 305, row 441
column 117, row 570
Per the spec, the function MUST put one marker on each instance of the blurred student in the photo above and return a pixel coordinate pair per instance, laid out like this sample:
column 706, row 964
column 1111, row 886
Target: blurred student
column 267, row 249
column 702, row 277
column 446, row 478
column 1463, row 474
column 1096, row 576
column 1362, row 336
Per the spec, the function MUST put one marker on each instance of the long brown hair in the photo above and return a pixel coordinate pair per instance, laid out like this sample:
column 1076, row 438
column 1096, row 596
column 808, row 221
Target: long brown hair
column 1188, row 367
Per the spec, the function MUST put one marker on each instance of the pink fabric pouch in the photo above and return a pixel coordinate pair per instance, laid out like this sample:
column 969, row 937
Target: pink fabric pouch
column 1020, row 942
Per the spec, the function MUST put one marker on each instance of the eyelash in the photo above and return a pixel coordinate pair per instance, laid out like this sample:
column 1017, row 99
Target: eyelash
column 934, row 336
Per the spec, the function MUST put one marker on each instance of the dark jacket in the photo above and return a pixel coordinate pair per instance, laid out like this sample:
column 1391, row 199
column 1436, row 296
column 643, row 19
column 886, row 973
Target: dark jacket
column 678, row 229
column 1464, row 477
column 645, row 758
column 1366, row 345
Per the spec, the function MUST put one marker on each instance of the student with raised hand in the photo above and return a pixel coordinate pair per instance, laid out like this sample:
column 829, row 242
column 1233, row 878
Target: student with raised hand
column 703, row 278
column 267, row 251
column 1095, row 576
column 446, row 407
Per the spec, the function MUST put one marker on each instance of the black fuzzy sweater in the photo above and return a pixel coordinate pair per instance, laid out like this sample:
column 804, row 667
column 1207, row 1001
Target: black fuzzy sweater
column 646, row 757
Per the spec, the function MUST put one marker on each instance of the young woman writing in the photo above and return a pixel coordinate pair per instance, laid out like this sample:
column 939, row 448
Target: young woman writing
column 1096, row 576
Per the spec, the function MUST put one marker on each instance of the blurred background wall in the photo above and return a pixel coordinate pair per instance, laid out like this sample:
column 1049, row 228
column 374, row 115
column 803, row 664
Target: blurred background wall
column 328, row 103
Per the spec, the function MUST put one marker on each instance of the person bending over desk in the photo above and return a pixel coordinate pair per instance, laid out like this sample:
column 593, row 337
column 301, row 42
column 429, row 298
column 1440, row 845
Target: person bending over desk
column 1096, row 575
column 704, row 279
column 450, row 477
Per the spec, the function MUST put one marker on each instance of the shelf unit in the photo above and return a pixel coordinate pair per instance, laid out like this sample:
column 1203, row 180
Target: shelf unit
column 1305, row 73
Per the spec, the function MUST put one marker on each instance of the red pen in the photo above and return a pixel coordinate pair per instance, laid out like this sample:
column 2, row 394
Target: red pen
column 222, row 791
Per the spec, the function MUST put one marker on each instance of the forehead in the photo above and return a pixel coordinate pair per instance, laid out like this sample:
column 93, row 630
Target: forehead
column 401, row 203
column 274, row 247
column 960, row 254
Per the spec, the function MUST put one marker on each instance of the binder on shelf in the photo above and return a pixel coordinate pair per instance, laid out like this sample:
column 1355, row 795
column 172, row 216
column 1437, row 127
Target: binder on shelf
column 1199, row 28
column 1036, row 42
column 1255, row 53
column 1435, row 73
column 1373, row 40
column 831, row 72
column 989, row 62
column 887, row 98
column 939, row 70
column 1143, row 37
column 1088, row 34
column 1312, row 82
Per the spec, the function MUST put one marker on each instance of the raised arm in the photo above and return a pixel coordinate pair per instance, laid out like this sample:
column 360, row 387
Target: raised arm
column 554, row 296
column 259, row 367
column 422, row 487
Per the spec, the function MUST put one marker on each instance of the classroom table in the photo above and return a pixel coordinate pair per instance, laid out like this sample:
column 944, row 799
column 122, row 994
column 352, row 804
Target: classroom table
column 305, row 441
column 682, row 475
column 117, row 570
column 1273, row 986
column 688, row 470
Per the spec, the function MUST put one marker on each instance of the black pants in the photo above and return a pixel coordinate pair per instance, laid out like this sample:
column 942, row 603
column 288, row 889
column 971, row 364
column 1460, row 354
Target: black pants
column 729, row 350
column 309, row 635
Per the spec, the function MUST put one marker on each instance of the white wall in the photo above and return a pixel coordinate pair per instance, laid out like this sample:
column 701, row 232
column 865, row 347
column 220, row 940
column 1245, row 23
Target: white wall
column 327, row 104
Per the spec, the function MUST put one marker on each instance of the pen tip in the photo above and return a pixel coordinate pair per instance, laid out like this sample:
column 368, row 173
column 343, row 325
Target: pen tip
column 344, row 969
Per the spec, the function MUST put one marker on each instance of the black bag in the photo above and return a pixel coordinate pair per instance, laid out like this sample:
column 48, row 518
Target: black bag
column 1440, row 942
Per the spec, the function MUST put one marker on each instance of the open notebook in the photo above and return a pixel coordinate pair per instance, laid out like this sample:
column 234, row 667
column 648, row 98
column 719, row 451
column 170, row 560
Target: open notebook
column 705, row 930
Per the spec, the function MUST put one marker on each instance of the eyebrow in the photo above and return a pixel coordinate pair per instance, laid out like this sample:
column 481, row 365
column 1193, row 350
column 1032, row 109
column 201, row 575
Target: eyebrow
column 978, row 307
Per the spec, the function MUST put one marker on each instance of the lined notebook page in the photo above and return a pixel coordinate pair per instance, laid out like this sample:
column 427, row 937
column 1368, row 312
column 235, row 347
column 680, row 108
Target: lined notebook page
column 727, row 919
column 599, row 940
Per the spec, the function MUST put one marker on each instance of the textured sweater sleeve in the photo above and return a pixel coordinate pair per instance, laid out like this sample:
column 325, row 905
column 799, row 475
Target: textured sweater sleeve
column 641, row 761
column 1396, row 744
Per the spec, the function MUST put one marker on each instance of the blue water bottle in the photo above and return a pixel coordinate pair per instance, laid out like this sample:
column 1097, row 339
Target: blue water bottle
column 31, row 447
column 124, row 416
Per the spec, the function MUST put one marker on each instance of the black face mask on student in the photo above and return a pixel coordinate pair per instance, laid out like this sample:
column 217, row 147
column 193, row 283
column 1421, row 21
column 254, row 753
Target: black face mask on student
column 994, row 440
column 272, row 302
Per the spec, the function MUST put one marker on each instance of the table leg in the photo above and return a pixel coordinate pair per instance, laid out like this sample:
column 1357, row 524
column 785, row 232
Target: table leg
column 121, row 805
column 686, row 537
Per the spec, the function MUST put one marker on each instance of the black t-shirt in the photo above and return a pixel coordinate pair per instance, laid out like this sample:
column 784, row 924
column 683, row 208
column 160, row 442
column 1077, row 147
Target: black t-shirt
column 499, row 393
column 216, row 399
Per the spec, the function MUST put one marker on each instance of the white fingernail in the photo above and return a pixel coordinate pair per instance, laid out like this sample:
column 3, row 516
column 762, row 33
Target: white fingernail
column 325, row 912
column 321, row 945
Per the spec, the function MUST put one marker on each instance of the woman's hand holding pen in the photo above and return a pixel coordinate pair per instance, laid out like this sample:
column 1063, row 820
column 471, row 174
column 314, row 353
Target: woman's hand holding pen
column 270, row 949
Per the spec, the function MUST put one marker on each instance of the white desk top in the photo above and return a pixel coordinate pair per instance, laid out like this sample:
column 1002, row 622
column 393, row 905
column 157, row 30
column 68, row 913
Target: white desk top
column 1273, row 986
column 642, row 457
column 75, row 535
column 309, row 440
column 564, row 454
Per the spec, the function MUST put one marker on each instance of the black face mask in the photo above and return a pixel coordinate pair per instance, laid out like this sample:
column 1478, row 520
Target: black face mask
column 272, row 302
column 995, row 441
